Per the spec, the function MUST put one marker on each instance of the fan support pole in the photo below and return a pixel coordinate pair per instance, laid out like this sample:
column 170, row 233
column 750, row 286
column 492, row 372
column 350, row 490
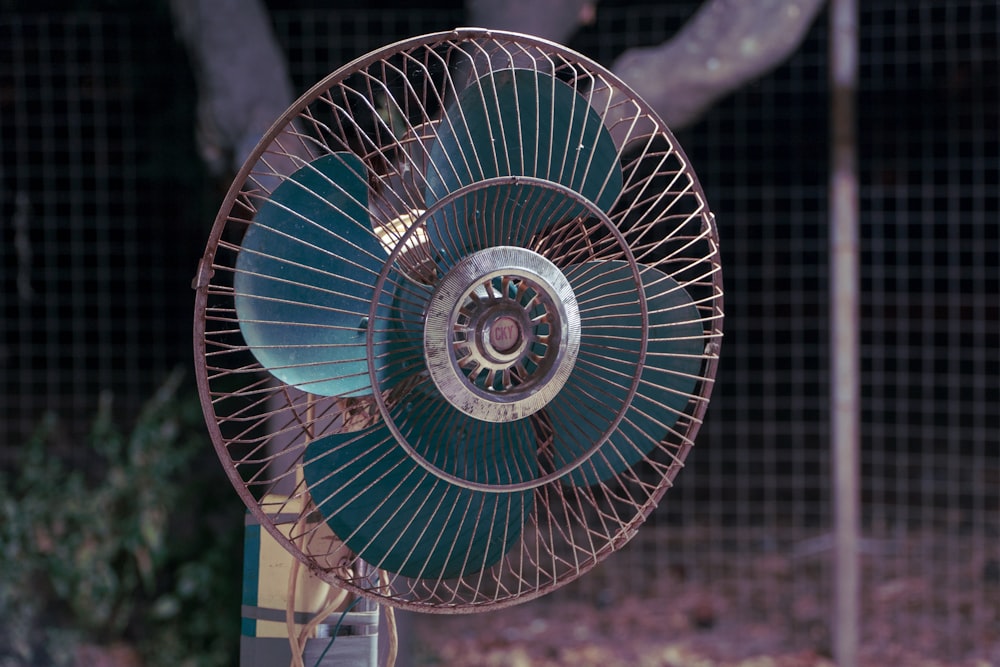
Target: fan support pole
column 348, row 637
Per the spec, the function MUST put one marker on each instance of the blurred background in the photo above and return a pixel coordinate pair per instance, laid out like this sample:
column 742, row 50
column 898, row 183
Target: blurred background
column 121, row 539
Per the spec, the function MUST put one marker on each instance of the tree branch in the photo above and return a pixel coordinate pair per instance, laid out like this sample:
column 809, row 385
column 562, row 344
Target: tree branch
column 555, row 20
column 725, row 45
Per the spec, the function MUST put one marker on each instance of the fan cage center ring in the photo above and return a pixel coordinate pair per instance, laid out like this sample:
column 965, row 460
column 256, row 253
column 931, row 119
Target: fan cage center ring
column 502, row 333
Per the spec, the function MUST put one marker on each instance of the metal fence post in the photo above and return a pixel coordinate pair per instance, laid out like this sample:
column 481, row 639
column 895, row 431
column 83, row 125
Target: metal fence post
column 844, row 329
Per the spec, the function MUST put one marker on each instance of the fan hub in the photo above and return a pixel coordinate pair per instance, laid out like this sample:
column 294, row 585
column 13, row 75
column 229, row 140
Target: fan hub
column 502, row 333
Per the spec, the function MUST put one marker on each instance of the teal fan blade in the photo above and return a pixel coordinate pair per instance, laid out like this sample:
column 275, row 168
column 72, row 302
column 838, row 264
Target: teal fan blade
column 610, row 343
column 403, row 333
column 518, row 122
column 402, row 518
column 498, row 214
column 304, row 278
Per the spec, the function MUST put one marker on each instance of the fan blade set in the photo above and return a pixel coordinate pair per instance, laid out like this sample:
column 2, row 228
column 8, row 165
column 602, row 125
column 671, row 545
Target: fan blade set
column 518, row 360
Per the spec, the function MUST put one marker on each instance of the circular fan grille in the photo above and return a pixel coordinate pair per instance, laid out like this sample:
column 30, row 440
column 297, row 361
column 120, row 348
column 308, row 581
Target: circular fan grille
column 461, row 309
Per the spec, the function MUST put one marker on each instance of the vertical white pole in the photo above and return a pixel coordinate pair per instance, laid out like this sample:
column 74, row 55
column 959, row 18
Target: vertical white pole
column 844, row 330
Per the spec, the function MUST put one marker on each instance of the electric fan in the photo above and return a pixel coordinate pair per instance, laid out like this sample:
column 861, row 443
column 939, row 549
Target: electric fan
column 458, row 321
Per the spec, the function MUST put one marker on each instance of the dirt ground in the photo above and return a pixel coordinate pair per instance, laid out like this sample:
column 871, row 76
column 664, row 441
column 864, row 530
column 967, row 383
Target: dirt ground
column 767, row 610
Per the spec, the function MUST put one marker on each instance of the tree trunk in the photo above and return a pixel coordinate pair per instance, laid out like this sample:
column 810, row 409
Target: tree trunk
column 243, row 83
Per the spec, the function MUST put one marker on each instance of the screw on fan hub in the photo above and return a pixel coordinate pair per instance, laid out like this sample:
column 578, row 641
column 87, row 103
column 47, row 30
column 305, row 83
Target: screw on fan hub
column 502, row 333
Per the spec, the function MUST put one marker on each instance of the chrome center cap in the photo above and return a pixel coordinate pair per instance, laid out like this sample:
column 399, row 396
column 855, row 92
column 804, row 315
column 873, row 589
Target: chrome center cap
column 502, row 333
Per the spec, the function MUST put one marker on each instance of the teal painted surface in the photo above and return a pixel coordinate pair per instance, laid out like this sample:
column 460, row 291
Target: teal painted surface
column 497, row 215
column 404, row 332
column 402, row 518
column 251, row 575
column 611, row 337
column 305, row 275
column 517, row 123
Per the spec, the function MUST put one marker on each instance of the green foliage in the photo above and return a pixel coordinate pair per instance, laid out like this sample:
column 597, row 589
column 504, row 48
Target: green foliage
column 140, row 543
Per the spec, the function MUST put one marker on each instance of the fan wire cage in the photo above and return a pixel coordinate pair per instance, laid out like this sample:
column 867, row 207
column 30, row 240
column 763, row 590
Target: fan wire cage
column 458, row 321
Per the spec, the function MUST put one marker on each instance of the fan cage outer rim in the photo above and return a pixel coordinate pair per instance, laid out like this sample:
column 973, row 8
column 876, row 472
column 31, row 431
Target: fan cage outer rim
column 206, row 270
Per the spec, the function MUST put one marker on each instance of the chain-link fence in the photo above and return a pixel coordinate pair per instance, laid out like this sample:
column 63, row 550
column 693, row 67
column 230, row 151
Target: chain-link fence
column 104, row 214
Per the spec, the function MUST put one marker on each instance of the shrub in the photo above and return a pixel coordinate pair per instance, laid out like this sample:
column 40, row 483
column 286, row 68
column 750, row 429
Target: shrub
column 139, row 546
